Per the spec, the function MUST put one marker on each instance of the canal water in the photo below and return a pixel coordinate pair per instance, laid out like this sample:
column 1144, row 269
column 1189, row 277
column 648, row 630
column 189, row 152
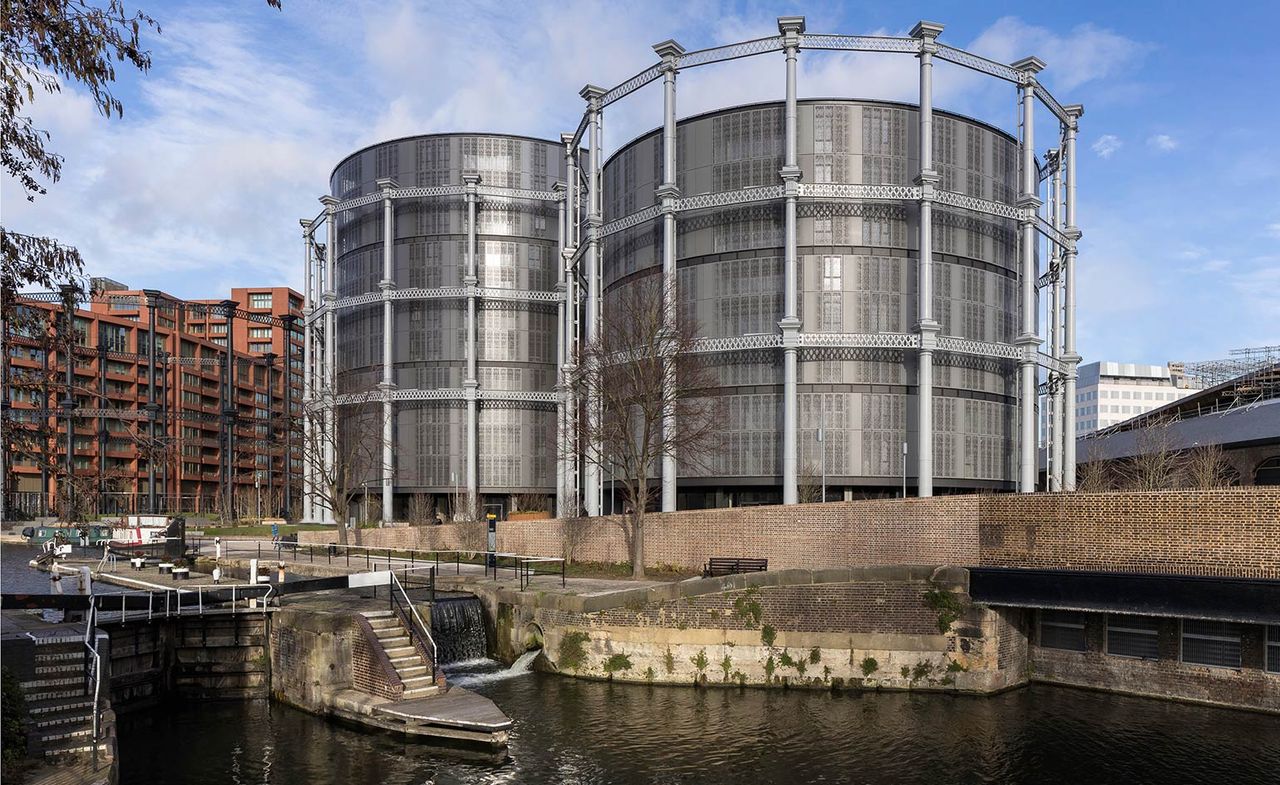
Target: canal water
column 577, row 732
column 589, row 733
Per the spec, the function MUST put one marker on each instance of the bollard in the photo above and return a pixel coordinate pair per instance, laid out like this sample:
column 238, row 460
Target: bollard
column 280, row 573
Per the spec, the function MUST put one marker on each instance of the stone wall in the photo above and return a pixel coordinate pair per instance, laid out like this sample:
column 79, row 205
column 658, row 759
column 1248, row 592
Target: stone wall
column 314, row 655
column 1249, row 686
column 859, row 628
column 1230, row 532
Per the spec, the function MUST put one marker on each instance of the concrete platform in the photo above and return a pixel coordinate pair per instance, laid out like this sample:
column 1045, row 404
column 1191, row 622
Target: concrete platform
column 457, row 716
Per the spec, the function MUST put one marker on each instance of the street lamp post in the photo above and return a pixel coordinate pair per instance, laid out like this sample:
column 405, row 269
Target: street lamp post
column 904, row 470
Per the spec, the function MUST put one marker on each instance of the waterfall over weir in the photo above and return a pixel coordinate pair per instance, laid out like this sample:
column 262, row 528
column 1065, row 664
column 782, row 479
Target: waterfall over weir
column 457, row 624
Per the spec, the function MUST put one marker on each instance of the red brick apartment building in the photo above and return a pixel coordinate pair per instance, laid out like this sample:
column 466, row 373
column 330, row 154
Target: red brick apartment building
column 197, row 425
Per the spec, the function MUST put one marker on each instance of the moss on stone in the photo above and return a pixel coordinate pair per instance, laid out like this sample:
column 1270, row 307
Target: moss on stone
column 573, row 650
column 617, row 663
column 869, row 666
column 768, row 635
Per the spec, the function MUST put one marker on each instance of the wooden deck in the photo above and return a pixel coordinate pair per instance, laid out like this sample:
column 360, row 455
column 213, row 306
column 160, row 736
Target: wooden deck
column 457, row 708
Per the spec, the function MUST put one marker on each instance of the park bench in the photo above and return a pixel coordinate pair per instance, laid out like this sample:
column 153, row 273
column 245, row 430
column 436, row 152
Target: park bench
column 288, row 542
column 721, row 565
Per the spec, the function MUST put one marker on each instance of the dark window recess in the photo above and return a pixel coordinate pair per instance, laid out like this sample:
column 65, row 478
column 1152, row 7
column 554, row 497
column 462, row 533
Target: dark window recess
column 1133, row 636
column 1215, row 643
column 1062, row 630
column 1273, row 648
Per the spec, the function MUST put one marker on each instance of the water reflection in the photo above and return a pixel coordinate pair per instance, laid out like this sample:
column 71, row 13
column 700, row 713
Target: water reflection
column 587, row 732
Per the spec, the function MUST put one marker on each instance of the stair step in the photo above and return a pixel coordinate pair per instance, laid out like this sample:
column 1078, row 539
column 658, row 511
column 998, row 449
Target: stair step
column 377, row 614
column 54, row 696
column 400, row 652
column 420, row 692
column 53, row 719
column 395, row 642
column 411, row 671
column 66, row 734
column 384, row 624
column 408, row 659
column 389, row 632
column 43, row 656
column 415, row 682
column 60, row 681
column 54, row 706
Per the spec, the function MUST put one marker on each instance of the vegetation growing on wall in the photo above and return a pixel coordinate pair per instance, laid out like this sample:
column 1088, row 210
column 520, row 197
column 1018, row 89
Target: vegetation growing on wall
column 573, row 650
column 869, row 666
column 700, row 661
column 617, row 663
column 669, row 661
column 946, row 604
column 768, row 635
column 726, row 665
column 747, row 607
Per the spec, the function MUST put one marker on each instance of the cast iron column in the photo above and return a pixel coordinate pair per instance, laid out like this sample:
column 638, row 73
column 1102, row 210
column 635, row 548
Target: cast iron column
column 308, row 304
column 595, row 218
column 1027, row 340
column 471, row 384
column 572, row 209
column 1053, row 444
column 928, row 329
column 329, row 383
column 388, row 285
column 290, row 322
column 791, row 28
column 230, row 411
column 667, row 194
column 562, row 471
column 1069, row 355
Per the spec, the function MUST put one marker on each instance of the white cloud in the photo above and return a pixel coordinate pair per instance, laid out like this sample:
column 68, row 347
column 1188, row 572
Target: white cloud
column 1273, row 229
column 1107, row 145
column 1085, row 54
column 1162, row 143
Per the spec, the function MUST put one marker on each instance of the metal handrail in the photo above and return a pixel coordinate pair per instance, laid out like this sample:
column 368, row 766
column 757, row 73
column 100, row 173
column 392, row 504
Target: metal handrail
column 91, row 643
column 404, row 600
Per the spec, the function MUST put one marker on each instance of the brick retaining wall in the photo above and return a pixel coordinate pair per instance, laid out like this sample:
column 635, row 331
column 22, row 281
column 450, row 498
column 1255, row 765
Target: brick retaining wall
column 1229, row 532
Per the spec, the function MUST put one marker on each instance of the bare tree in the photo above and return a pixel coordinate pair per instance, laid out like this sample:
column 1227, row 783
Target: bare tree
column 1155, row 465
column 640, row 371
column 356, row 444
column 422, row 510
column 809, row 484
column 1208, row 467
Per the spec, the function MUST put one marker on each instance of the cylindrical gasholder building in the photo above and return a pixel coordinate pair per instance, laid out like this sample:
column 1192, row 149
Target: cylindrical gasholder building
column 857, row 274
column 516, row 258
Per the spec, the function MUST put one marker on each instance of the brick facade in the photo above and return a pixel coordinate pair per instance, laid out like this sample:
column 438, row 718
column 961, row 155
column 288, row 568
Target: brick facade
column 1227, row 532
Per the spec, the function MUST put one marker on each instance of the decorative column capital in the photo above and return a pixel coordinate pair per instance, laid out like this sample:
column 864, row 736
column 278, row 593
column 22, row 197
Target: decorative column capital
column 470, row 183
column 306, row 224
column 667, row 194
column 229, row 308
column 791, row 27
column 1027, row 69
column 1029, row 203
column 386, row 184
column 593, row 94
column 330, row 204
column 928, row 180
column 1075, row 112
column 928, row 33
column 670, row 52
column 1073, row 233
column 566, row 139
column 791, row 179
column 386, row 285
column 559, row 189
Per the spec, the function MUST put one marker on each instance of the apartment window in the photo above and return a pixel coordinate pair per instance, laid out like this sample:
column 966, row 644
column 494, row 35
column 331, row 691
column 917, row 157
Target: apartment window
column 1214, row 643
column 260, row 300
column 259, row 332
column 1133, row 636
column 218, row 329
column 220, row 341
column 1273, row 648
column 1062, row 630
column 260, row 347
column 195, row 329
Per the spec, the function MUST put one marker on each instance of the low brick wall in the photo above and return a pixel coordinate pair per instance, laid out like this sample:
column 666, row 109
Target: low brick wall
column 1229, row 532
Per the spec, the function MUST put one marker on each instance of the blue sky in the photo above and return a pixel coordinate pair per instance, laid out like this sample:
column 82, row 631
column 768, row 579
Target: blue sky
column 231, row 136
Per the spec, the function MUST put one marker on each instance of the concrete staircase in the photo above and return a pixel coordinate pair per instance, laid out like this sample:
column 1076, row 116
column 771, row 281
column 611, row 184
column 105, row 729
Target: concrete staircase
column 413, row 669
column 60, row 700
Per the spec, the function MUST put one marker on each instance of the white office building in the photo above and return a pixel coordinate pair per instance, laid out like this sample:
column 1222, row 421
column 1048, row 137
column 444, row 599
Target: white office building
column 1110, row 392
